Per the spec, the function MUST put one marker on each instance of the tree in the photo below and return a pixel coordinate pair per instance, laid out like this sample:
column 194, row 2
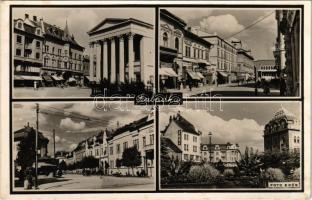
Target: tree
column 89, row 162
column 131, row 158
column 118, row 163
column 26, row 154
column 220, row 166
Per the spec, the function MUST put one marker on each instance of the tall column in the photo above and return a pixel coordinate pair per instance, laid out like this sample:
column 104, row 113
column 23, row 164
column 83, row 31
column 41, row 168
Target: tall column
column 130, row 57
column 142, row 64
column 113, row 62
column 121, row 60
column 105, row 60
column 98, row 61
column 91, row 57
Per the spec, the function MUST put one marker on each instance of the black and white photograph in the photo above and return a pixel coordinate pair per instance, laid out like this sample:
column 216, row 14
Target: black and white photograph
column 241, row 52
column 233, row 145
column 83, row 146
column 82, row 52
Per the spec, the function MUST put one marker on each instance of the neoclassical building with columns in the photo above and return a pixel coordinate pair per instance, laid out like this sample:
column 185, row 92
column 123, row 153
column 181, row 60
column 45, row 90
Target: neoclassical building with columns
column 122, row 50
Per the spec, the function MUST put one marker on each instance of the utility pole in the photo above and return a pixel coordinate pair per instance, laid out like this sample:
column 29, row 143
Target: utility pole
column 36, row 146
column 54, row 143
column 256, row 79
column 210, row 147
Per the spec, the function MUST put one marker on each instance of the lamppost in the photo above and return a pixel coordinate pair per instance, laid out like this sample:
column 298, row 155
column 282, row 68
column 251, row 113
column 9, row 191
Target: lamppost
column 210, row 147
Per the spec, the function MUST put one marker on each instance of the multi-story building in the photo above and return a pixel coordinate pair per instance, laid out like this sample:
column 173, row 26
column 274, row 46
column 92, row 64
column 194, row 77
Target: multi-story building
column 27, row 50
column 223, row 58
column 45, row 53
column 122, row 50
column 279, row 51
column 282, row 132
column 266, row 69
column 289, row 23
column 86, row 68
column 140, row 134
column 62, row 55
column 185, row 136
column 184, row 56
column 227, row 153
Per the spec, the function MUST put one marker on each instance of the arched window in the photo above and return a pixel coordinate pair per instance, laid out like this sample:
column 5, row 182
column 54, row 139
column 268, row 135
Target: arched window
column 165, row 39
column 176, row 43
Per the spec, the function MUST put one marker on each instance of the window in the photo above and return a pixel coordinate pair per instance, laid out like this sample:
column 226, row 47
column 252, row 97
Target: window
column 19, row 25
column 59, row 51
column 194, row 52
column 165, row 39
column 38, row 31
column 111, row 150
column 194, row 148
column 144, row 141
column 194, row 139
column 136, row 143
column 152, row 139
column 186, row 147
column 59, row 63
column 38, row 44
column 176, row 43
column 118, row 148
column 37, row 55
column 65, row 52
column 19, row 39
column 185, row 156
column 52, row 50
column 18, row 52
column 179, row 137
column 46, row 60
column 125, row 145
column 46, row 48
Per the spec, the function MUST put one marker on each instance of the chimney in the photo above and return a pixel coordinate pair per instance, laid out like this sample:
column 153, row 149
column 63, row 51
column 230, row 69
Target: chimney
column 117, row 124
column 35, row 18
column 26, row 16
column 27, row 124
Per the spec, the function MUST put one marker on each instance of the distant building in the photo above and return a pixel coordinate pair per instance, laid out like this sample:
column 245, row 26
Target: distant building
column 228, row 153
column 140, row 134
column 122, row 50
column 282, row 132
column 185, row 136
column 266, row 69
column 223, row 58
column 27, row 51
column 184, row 56
column 289, row 24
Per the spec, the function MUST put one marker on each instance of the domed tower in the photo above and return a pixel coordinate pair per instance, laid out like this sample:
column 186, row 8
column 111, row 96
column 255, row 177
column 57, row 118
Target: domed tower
column 282, row 132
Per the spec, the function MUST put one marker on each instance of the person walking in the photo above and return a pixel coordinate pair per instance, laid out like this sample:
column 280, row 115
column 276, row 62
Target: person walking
column 282, row 87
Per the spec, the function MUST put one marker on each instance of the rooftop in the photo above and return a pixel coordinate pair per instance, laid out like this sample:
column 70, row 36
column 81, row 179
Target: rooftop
column 168, row 143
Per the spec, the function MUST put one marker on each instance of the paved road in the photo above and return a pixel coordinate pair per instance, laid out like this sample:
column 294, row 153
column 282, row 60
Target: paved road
column 224, row 90
column 26, row 92
column 79, row 182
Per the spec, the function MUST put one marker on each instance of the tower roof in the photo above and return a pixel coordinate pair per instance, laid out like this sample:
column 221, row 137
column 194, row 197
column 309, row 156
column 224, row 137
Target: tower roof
column 283, row 113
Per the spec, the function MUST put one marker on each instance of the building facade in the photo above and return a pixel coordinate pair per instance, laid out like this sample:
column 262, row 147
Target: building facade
column 266, row 69
column 122, row 50
column 227, row 153
column 27, row 50
column 282, row 132
column 139, row 134
column 62, row 55
column 279, row 51
column 44, row 53
column 185, row 136
column 184, row 56
column 223, row 58
column 289, row 24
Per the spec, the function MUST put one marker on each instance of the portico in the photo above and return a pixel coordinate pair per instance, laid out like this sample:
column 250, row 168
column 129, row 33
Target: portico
column 121, row 51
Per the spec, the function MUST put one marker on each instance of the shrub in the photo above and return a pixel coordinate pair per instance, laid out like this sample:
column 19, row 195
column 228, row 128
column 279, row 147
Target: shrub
column 203, row 173
column 274, row 174
column 228, row 172
column 296, row 174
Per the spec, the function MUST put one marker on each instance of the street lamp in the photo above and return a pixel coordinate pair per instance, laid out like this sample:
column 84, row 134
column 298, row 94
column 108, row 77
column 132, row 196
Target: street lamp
column 210, row 147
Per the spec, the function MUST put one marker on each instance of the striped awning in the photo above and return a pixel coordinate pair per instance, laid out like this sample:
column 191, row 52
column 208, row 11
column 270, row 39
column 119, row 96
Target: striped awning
column 57, row 78
column 29, row 78
column 166, row 71
column 193, row 75
column 200, row 75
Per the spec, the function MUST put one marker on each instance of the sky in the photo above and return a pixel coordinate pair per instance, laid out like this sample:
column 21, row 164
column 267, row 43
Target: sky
column 260, row 38
column 82, row 20
column 241, row 123
column 74, row 122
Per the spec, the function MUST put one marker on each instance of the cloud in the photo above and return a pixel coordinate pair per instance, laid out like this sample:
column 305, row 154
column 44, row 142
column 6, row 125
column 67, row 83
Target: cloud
column 245, row 132
column 69, row 124
column 223, row 25
column 188, row 14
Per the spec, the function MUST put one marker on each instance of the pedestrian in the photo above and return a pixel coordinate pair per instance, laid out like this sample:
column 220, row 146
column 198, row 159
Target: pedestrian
column 283, row 87
column 190, row 85
column 266, row 88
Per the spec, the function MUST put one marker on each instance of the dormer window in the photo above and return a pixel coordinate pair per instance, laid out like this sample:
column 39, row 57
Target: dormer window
column 38, row 32
column 19, row 25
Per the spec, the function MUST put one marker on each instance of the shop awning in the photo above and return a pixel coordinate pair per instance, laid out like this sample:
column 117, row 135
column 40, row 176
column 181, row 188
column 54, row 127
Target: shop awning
column 166, row 71
column 71, row 79
column 224, row 74
column 57, row 78
column 47, row 78
column 193, row 75
column 29, row 78
column 200, row 75
column 44, row 164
